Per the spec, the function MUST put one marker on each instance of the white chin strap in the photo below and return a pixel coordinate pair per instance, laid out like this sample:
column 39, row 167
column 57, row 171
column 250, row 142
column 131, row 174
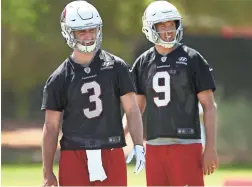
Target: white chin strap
column 86, row 49
column 167, row 44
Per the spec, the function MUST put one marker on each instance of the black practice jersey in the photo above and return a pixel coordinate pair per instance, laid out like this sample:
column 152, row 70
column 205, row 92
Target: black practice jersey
column 90, row 99
column 171, row 84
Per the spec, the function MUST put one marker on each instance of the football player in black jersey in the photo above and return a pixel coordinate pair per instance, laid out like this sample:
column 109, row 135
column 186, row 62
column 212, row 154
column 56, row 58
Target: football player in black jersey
column 171, row 79
column 88, row 88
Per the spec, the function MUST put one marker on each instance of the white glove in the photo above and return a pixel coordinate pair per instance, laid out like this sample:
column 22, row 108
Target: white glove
column 139, row 153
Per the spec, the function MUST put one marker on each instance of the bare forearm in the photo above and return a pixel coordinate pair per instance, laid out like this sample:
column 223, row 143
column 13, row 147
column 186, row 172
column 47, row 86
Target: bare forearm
column 135, row 125
column 125, row 125
column 49, row 146
column 210, row 126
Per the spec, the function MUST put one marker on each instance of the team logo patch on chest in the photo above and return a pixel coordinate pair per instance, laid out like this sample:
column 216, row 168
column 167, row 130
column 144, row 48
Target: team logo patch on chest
column 182, row 60
column 87, row 70
column 107, row 65
column 163, row 59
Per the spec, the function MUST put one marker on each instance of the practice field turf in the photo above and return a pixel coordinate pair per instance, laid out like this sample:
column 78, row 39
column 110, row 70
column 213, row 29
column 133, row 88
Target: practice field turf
column 30, row 175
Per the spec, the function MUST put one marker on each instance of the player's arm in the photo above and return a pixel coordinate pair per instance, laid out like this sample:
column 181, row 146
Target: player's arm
column 135, row 125
column 206, row 99
column 133, row 115
column 140, row 97
column 205, row 86
column 127, row 94
column 141, row 103
column 50, row 139
column 134, row 118
column 53, row 105
column 210, row 157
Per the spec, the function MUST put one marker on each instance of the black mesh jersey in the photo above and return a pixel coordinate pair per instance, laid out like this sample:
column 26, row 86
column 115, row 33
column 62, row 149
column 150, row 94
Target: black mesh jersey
column 171, row 84
column 90, row 99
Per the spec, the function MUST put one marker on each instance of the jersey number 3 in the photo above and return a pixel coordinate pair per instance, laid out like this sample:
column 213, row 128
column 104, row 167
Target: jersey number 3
column 165, row 88
column 93, row 98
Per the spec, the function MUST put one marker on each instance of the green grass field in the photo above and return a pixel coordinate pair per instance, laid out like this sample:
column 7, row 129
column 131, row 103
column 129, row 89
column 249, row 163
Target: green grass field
column 30, row 175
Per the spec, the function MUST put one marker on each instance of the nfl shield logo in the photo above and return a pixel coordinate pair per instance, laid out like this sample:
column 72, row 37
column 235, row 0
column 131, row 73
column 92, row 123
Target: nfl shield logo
column 87, row 70
column 163, row 59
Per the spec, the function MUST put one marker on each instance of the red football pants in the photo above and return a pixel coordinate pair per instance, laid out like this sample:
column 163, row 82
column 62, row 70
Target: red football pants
column 174, row 165
column 73, row 169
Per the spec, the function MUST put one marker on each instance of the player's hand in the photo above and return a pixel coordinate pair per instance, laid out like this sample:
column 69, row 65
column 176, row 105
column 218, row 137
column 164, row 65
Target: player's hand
column 139, row 153
column 210, row 161
column 50, row 180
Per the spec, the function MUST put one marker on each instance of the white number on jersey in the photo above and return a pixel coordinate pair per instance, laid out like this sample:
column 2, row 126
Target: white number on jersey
column 162, row 89
column 93, row 98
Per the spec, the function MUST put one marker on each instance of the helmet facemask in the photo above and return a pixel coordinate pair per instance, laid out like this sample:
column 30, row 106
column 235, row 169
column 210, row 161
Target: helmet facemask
column 90, row 44
column 168, row 37
column 85, row 45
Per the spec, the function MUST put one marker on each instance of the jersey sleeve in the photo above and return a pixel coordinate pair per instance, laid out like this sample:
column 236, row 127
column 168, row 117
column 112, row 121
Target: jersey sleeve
column 53, row 95
column 204, row 78
column 125, row 80
column 137, row 77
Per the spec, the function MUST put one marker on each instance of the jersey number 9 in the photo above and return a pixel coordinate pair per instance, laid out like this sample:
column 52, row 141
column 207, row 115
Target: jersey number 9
column 165, row 88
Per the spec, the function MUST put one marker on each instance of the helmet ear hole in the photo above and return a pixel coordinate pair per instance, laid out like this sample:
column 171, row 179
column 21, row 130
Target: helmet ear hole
column 145, row 30
column 65, row 35
column 177, row 23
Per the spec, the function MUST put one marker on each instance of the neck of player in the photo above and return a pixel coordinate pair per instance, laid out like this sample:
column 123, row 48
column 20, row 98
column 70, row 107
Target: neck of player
column 82, row 58
column 164, row 51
